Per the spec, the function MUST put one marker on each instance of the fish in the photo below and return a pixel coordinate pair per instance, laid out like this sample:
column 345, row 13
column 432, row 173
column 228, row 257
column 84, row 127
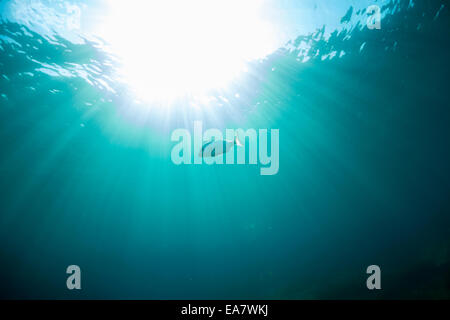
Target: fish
column 212, row 149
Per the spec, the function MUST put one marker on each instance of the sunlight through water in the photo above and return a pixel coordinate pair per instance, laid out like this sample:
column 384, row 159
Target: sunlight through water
column 173, row 48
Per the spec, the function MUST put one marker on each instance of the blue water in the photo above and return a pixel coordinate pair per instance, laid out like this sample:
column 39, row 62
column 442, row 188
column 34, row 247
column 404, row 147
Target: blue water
column 86, row 176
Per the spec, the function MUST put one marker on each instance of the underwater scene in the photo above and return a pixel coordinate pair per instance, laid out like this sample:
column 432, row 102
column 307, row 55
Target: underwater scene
column 209, row 149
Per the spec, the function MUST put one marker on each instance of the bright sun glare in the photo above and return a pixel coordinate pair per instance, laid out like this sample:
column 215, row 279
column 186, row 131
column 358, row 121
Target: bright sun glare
column 171, row 48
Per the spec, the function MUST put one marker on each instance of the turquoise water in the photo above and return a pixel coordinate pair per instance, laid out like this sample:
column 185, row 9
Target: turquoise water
column 86, row 176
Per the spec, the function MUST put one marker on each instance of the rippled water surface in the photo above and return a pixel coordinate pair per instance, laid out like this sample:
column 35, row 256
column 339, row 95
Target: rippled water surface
column 90, row 93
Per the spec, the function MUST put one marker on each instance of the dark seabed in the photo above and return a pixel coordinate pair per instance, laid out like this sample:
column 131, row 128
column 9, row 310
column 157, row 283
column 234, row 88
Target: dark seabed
column 86, row 176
